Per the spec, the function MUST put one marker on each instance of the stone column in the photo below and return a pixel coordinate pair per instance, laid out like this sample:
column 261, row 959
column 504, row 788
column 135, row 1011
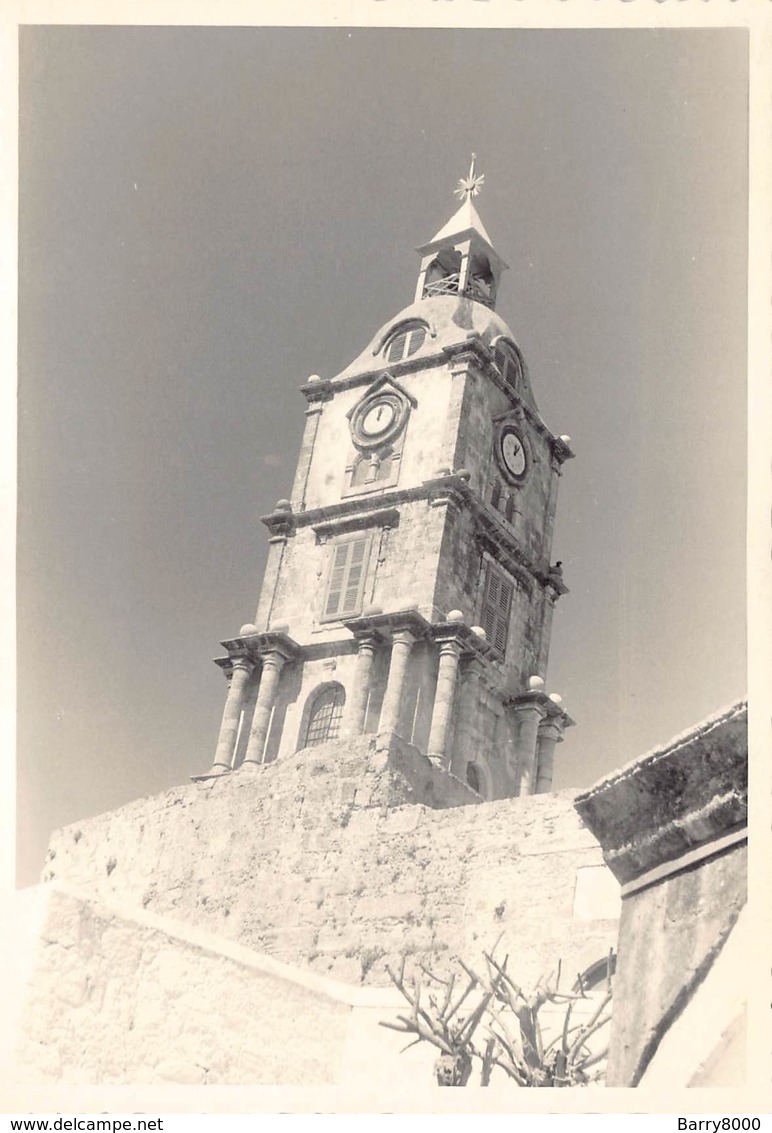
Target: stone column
column 444, row 699
column 463, row 271
column 550, row 731
column 273, row 663
column 247, row 716
column 356, row 710
column 530, row 716
column 470, row 694
column 402, row 644
column 234, row 702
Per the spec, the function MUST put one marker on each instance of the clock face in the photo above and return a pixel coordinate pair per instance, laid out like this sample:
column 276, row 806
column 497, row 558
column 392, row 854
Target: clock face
column 378, row 418
column 512, row 452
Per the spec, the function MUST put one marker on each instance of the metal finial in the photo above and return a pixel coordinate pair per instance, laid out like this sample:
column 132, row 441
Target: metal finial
column 470, row 185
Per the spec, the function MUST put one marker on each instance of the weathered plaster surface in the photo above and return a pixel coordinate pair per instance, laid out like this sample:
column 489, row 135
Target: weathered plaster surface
column 670, row 936
column 312, row 860
column 671, row 825
column 115, row 999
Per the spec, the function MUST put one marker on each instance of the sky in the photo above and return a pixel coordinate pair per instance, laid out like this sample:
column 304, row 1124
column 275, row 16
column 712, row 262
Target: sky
column 208, row 216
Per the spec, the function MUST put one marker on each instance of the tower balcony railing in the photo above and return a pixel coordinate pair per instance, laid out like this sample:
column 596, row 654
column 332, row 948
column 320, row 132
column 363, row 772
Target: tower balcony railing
column 448, row 285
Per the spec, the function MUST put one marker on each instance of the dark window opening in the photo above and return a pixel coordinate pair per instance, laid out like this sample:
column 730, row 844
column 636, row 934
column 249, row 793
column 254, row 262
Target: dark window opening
column 473, row 777
column 326, row 715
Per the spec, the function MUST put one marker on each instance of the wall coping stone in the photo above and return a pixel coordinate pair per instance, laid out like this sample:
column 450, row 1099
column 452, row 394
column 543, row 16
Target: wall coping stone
column 687, row 793
column 350, row 994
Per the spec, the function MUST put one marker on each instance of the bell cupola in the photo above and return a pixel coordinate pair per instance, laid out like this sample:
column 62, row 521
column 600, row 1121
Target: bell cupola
column 460, row 259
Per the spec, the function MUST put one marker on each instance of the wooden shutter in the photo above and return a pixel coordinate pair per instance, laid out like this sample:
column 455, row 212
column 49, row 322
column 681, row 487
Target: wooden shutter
column 396, row 349
column 347, row 576
column 496, row 607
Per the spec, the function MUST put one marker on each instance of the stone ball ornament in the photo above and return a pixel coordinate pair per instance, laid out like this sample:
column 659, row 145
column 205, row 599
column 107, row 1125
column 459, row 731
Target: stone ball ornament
column 455, row 616
column 556, row 698
column 247, row 630
column 536, row 684
column 283, row 505
column 280, row 627
column 564, row 437
column 480, row 632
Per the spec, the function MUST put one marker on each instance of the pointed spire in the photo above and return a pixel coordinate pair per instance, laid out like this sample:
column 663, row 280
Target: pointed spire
column 460, row 259
column 462, row 220
column 467, row 216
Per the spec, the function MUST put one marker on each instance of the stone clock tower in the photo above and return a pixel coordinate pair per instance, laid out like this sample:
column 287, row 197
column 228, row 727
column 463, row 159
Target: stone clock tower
column 409, row 590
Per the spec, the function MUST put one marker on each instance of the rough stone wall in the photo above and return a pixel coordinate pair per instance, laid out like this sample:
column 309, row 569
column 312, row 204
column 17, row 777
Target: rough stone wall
column 113, row 1001
column 401, row 572
column 314, row 861
column 483, row 403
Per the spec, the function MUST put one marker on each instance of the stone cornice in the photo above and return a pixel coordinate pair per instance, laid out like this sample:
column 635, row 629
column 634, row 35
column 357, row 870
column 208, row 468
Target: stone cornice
column 453, row 489
column 257, row 645
column 550, row 711
column 491, row 530
column 470, row 352
column 383, row 625
column 470, row 644
column 689, row 793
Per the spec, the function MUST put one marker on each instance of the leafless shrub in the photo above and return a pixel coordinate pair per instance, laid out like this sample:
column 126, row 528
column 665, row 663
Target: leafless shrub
column 499, row 1026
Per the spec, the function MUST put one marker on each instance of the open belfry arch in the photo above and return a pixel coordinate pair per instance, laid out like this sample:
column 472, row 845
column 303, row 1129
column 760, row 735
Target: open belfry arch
column 409, row 588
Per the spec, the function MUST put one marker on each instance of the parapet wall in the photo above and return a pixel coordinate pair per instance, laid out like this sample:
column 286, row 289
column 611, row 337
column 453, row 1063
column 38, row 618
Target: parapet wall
column 673, row 829
column 318, row 861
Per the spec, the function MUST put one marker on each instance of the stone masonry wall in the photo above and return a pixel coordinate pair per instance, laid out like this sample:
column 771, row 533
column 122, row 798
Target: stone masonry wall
column 311, row 860
column 113, row 1001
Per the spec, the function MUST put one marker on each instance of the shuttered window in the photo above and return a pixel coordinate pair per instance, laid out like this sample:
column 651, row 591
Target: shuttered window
column 497, row 603
column 405, row 343
column 347, row 577
column 508, row 365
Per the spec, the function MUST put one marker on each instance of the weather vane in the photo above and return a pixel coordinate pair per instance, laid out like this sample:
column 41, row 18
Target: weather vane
column 470, row 185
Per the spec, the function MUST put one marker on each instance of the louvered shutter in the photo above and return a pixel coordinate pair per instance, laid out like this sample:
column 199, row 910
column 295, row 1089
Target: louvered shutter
column 347, row 575
column 397, row 347
column 502, row 618
column 496, row 606
column 354, row 576
column 337, row 579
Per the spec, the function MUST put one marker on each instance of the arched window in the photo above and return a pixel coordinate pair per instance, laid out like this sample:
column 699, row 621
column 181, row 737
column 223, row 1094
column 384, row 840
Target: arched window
column 405, row 342
column 384, row 465
column 443, row 274
column 361, row 471
column 473, row 777
column 480, row 285
column 597, row 973
column 325, row 716
column 509, row 510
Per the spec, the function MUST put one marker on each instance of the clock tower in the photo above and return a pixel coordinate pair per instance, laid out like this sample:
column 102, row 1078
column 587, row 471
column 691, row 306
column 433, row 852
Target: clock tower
column 409, row 589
